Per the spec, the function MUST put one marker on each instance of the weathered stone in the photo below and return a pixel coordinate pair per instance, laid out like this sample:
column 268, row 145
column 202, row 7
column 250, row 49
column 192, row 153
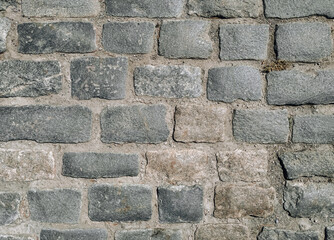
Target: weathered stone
column 178, row 204
column 243, row 165
column 100, row 165
column 149, row 234
column 99, row 77
column 43, row 123
column 226, row 8
column 168, row 81
column 9, row 207
column 65, row 37
column 280, row 234
column 145, row 8
column 11, row 237
column 5, row 25
column 55, row 206
column 309, row 200
column 228, row 84
column 185, row 39
column 261, row 126
column 136, row 123
column 26, row 165
column 242, row 42
column 316, row 129
column 222, row 232
column 240, row 200
column 4, row 4
column 305, row 42
column 120, row 203
column 75, row 234
column 128, row 37
column 296, row 88
column 199, row 123
column 60, row 8
column 29, row 78
column 330, row 233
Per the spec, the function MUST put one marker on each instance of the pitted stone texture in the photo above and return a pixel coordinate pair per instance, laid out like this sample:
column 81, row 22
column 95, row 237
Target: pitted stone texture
column 26, row 165
column 226, row 8
column 261, row 126
column 168, row 81
column 136, row 123
column 75, row 234
column 149, row 234
column 9, row 207
column 280, row 234
column 330, row 233
column 243, row 42
column 5, row 25
column 222, row 232
column 12, row 237
column 64, row 37
column 55, row 206
column 194, row 123
column 309, row 200
column 128, row 37
column 43, row 123
column 180, row 204
column 29, row 78
column 99, row 78
column 99, row 165
column 240, row 200
column 304, row 42
column 4, row 4
column 228, row 84
column 120, row 203
column 60, row 8
column 185, row 39
column 297, row 88
column 313, row 129
column 243, row 165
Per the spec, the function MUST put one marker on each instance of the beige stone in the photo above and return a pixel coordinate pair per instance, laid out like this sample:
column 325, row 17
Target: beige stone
column 222, row 232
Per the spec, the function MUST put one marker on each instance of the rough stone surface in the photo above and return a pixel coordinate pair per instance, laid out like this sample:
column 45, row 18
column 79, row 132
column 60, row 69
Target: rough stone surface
column 261, row 126
column 128, row 37
column 43, row 123
column 11, row 237
column 240, row 200
column 242, row 41
column 330, row 233
column 185, row 39
column 120, row 203
column 136, row 123
column 222, row 232
column 99, row 165
column 99, row 78
column 194, row 123
column 145, row 8
column 280, row 234
column 304, row 42
column 168, row 81
column 9, row 207
column 226, row 8
column 149, row 234
column 5, row 25
column 228, row 84
column 178, row 204
column 29, row 78
column 60, row 8
column 77, row 234
column 65, row 37
column 55, row 206
column 316, row 129
column 26, row 165
column 4, row 4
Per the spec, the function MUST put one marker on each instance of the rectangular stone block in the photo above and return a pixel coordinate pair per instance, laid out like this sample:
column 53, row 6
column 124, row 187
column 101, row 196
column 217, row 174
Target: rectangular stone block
column 9, row 207
column 275, row 234
column 149, row 234
column 222, row 232
column 75, row 234
column 330, row 233
column 43, row 123
column 5, row 25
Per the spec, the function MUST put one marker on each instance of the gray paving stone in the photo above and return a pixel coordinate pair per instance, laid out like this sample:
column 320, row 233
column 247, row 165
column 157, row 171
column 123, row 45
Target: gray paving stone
column 75, row 234
column 282, row 234
column 9, row 207
column 5, row 25
column 149, row 234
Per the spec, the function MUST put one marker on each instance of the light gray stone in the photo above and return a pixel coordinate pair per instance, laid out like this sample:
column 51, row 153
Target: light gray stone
column 4, row 4
column 9, row 207
column 222, row 232
column 75, row 234
column 5, row 25
column 12, row 237
column 149, row 234
column 282, row 234
column 330, row 233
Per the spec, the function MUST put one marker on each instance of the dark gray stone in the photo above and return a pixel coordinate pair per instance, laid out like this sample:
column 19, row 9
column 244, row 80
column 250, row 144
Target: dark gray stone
column 149, row 234
column 9, row 207
column 304, row 42
column 29, row 78
column 75, row 234
column 280, row 234
column 145, row 8
column 99, row 165
column 243, row 42
column 43, row 123
column 168, row 81
column 228, row 84
column 297, row 88
column 178, row 204
column 330, row 233
column 4, row 4
column 128, row 37
column 120, row 203
column 261, row 126
column 65, row 37
column 4, row 29
column 315, row 129
column 136, row 123
column 55, row 206
column 185, row 39
column 99, row 78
